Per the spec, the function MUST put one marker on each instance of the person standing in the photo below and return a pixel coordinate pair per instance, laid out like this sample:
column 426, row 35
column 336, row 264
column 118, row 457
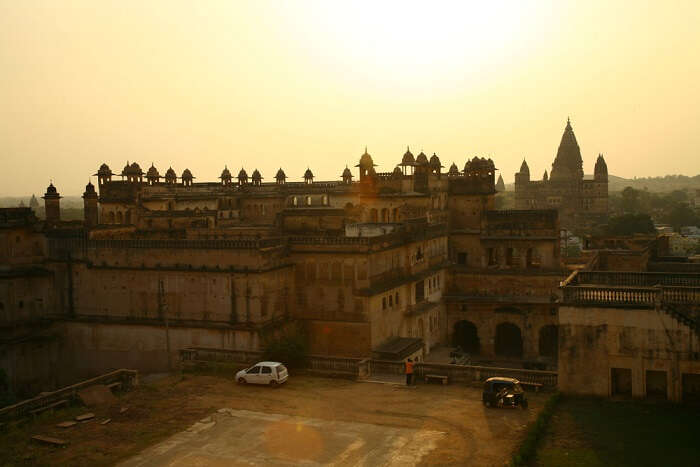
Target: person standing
column 409, row 372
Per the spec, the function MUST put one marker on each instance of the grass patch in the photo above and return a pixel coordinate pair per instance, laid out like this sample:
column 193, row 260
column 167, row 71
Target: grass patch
column 528, row 448
column 591, row 432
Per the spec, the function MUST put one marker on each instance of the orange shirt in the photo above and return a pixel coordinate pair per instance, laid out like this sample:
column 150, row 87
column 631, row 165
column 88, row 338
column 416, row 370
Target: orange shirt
column 409, row 368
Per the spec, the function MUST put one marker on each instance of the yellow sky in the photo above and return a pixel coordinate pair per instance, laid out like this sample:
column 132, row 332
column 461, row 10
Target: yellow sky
column 296, row 84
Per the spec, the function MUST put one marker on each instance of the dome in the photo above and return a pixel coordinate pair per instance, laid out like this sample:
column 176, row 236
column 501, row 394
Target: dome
column 152, row 172
column 524, row 169
column 256, row 175
column 170, row 174
column 454, row 170
column 186, row 174
column 242, row 175
column 104, row 170
column 366, row 160
column 467, row 165
column 308, row 174
column 89, row 188
column 408, row 158
column 397, row 171
column 347, row 173
column 51, row 190
column 135, row 168
column 422, row 159
column 225, row 174
column 435, row 161
column 280, row 174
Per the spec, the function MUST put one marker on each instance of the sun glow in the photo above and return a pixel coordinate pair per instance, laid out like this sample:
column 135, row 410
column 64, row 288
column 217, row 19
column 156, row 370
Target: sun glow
column 411, row 42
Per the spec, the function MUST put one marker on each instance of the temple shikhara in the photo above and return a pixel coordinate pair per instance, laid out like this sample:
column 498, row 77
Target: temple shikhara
column 581, row 202
column 386, row 265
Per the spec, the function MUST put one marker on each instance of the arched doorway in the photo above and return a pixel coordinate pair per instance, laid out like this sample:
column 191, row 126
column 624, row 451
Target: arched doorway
column 466, row 336
column 509, row 341
column 549, row 341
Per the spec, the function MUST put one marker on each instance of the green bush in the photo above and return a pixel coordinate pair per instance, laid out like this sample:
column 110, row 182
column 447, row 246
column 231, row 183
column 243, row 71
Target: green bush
column 290, row 349
column 528, row 448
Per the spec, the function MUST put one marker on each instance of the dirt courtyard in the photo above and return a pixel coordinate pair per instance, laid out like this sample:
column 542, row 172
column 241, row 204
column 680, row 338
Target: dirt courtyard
column 208, row 420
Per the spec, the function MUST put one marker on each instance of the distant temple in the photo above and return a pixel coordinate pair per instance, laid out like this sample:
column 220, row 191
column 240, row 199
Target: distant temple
column 581, row 202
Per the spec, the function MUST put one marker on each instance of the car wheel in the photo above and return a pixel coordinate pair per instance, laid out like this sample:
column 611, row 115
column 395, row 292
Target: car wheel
column 241, row 380
column 273, row 383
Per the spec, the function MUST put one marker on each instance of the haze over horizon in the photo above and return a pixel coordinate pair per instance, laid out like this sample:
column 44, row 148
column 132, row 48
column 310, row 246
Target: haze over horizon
column 297, row 84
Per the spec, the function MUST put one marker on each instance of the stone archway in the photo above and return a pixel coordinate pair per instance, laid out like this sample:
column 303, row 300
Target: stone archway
column 509, row 340
column 466, row 336
column 549, row 341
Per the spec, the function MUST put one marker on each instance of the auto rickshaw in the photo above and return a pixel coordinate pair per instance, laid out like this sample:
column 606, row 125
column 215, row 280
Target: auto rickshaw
column 500, row 391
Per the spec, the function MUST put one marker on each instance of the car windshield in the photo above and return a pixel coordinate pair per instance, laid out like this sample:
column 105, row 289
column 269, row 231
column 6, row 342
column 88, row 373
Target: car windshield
column 281, row 368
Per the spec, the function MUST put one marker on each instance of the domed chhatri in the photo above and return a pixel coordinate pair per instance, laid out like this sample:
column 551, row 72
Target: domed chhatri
column 347, row 175
column 170, row 176
column 225, row 176
column 407, row 159
column 242, row 177
column 421, row 159
column 281, row 177
column 256, row 178
column 187, row 177
column 308, row 176
column 152, row 176
column 454, row 170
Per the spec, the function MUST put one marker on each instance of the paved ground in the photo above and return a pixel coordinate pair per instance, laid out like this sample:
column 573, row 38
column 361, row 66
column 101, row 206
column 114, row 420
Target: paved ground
column 241, row 437
column 309, row 420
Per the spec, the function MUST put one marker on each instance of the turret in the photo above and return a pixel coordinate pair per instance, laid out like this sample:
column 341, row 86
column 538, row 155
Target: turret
column 347, row 176
column 600, row 172
column 52, row 205
column 308, row 176
column 242, row 177
column 407, row 161
column 454, row 170
column 366, row 166
column 435, row 165
column 170, row 177
column 152, row 176
column 90, row 205
column 281, row 178
column 500, row 186
column 568, row 165
column 524, row 175
column 187, row 177
column 104, row 175
column 225, row 176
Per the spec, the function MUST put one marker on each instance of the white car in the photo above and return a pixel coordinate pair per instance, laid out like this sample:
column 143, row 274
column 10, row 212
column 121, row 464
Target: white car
column 270, row 373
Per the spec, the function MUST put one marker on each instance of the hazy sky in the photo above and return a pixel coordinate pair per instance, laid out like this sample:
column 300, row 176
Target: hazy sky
column 201, row 84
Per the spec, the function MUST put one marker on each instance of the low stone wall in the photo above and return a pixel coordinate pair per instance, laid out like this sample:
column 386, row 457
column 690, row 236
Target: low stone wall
column 127, row 378
column 363, row 368
column 466, row 373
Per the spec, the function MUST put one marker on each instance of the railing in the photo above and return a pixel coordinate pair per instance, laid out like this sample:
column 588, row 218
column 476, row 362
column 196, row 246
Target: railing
column 644, row 297
column 640, row 279
column 126, row 377
column 465, row 373
column 668, row 266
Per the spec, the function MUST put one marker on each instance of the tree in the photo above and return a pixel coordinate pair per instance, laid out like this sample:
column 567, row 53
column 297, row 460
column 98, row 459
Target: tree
column 630, row 200
column 681, row 215
column 630, row 224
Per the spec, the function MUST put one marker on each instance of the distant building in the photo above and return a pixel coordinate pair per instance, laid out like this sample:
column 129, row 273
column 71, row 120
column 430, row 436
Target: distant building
column 500, row 186
column 581, row 202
